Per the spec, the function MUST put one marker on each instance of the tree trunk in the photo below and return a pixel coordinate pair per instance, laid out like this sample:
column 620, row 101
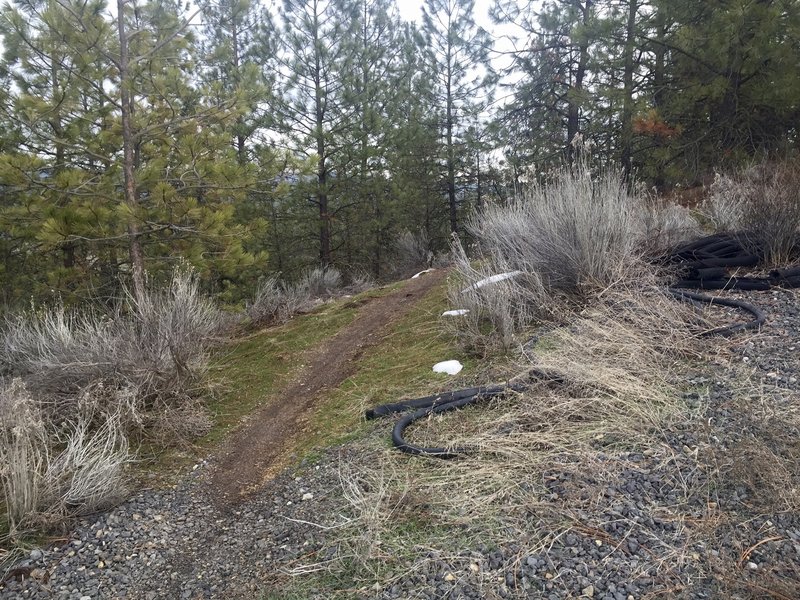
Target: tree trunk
column 627, row 98
column 451, row 158
column 322, row 169
column 128, row 159
column 573, row 115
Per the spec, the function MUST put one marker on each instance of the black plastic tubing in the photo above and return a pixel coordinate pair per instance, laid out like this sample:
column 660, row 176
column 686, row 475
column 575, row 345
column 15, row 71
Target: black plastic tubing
column 759, row 318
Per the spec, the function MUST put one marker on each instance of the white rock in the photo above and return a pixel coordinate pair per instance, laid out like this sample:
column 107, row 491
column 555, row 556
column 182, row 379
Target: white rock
column 421, row 273
column 588, row 591
column 308, row 496
column 459, row 312
column 451, row 367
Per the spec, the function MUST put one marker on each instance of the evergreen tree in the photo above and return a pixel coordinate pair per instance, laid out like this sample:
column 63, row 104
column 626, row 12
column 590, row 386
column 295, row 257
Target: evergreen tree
column 309, row 110
column 458, row 54
column 238, row 39
column 124, row 166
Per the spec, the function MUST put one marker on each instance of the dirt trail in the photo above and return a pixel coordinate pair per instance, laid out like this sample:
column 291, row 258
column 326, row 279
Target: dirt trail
column 260, row 448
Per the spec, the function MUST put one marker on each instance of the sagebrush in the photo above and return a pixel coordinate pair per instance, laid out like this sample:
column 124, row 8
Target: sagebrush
column 761, row 204
column 84, row 381
column 566, row 240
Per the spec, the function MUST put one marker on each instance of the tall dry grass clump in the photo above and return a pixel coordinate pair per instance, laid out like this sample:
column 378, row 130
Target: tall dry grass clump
column 52, row 472
column 761, row 204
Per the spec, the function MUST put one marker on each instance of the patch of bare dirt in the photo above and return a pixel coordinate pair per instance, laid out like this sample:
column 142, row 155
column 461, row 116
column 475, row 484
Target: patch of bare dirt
column 262, row 446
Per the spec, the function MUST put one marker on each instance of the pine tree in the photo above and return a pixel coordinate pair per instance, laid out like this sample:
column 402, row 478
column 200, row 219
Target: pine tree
column 309, row 110
column 458, row 54
column 124, row 166
column 238, row 40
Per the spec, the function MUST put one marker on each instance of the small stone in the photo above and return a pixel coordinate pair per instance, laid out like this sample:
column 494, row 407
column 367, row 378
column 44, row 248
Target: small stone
column 449, row 577
column 588, row 591
column 35, row 554
column 548, row 575
column 598, row 543
column 753, row 566
column 474, row 568
column 308, row 496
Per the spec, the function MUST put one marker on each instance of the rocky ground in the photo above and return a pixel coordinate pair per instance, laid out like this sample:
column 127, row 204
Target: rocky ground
column 712, row 513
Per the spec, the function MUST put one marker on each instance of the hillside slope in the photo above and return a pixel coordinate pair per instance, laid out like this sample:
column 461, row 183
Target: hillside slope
column 702, row 501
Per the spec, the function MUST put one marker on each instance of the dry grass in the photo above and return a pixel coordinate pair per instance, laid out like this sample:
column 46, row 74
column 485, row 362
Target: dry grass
column 51, row 474
column 620, row 359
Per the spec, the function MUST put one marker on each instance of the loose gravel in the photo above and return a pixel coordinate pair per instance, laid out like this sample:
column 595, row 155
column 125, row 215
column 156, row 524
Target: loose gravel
column 712, row 512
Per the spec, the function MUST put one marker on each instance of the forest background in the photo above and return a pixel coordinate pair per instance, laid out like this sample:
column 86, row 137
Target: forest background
column 325, row 132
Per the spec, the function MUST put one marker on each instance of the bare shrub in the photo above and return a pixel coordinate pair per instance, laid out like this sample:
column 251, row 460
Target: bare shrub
column 496, row 312
column 762, row 204
column 360, row 282
column 319, row 282
column 276, row 301
column 57, row 350
column 726, row 203
column 412, row 250
column 163, row 353
column 50, row 472
column 665, row 225
column 267, row 301
column 569, row 239
column 150, row 351
column 577, row 233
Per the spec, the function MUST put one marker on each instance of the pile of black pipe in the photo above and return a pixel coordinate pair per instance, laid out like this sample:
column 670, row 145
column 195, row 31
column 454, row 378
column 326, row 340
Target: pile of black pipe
column 703, row 264
column 706, row 264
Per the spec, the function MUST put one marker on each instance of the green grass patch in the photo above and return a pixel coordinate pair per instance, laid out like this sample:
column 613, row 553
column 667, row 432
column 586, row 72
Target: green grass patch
column 399, row 366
